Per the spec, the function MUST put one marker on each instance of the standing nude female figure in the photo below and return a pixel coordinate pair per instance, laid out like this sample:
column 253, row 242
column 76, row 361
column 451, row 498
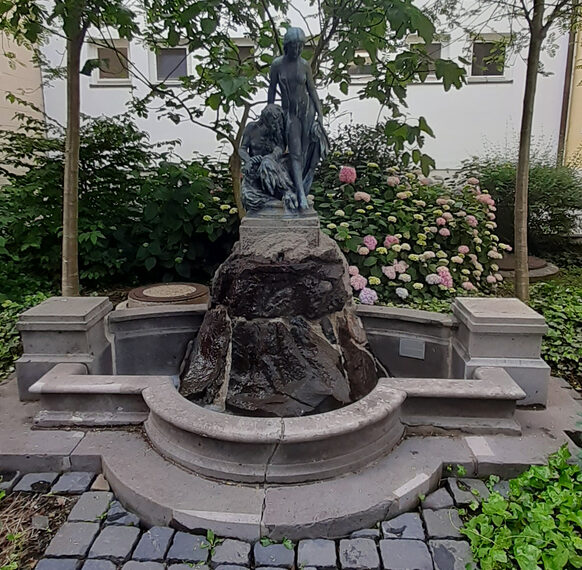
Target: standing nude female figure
column 307, row 142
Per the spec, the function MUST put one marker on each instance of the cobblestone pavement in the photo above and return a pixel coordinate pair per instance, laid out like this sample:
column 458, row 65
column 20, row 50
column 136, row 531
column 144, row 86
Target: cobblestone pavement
column 101, row 535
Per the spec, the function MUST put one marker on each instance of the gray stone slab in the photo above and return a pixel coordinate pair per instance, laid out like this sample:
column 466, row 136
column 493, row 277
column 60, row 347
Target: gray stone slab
column 444, row 523
column 406, row 554
column 230, row 551
column 502, row 487
column 318, row 552
column 58, row 564
column 181, row 566
column 8, row 479
column 465, row 491
column 231, row 567
column 118, row 515
column 39, row 522
column 188, row 548
column 451, row 555
column 359, row 554
column 406, row 525
column 99, row 565
column 273, row 555
column 153, row 544
column 373, row 533
column 91, row 506
column 115, row 543
column 72, row 540
column 440, row 499
column 74, row 483
column 133, row 565
column 36, row 483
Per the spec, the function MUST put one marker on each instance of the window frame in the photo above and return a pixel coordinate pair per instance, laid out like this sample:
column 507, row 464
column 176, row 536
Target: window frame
column 504, row 76
column 94, row 45
column 443, row 40
column 153, row 65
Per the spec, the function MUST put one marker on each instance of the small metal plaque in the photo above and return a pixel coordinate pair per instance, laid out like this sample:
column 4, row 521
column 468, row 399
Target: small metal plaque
column 412, row 348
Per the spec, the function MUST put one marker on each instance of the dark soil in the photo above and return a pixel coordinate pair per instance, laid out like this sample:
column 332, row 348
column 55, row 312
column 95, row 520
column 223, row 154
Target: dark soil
column 21, row 545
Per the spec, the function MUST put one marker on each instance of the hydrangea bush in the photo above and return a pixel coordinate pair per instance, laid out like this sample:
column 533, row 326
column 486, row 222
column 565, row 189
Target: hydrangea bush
column 407, row 236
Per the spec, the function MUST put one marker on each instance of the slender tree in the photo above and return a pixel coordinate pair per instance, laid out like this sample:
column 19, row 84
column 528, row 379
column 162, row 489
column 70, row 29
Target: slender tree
column 531, row 23
column 31, row 23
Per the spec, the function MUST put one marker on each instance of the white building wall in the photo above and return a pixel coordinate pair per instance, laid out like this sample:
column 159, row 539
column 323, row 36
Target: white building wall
column 467, row 121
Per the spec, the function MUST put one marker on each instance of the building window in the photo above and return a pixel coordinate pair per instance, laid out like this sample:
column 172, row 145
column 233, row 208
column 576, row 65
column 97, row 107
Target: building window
column 171, row 64
column 362, row 64
column 113, row 62
column 488, row 59
column 245, row 52
column 433, row 50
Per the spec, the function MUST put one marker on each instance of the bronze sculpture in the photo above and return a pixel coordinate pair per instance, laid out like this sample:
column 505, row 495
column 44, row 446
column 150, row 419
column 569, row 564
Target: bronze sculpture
column 285, row 176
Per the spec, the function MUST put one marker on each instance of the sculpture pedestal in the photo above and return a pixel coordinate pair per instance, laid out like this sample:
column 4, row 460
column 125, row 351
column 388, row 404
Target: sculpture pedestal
column 281, row 337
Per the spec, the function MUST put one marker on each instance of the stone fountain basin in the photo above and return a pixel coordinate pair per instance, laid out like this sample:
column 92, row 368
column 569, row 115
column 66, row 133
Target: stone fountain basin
column 277, row 450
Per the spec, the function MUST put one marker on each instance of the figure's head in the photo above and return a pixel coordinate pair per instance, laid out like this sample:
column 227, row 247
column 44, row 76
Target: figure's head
column 272, row 116
column 293, row 42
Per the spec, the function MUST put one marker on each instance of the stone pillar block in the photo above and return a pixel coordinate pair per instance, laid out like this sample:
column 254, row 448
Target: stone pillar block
column 503, row 333
column 63, row 330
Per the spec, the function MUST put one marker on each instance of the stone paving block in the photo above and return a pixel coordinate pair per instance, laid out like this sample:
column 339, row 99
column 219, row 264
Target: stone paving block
column 73, row 539
column 99, row 565
column 40, row 522
column 230, row 567
column 273, row 555
column 318, row 552
column 118, row 515
column 73, row 483
column 115, row 543
column 440, row 499
column 153, row 544
column 91, row 506
column 405, row 554
column 36, row 483
column 373, row 533
column 444, row 523
column 502, row 488
column 100, row 484
column 233, row 552
column 406, row 525
column 181, row 566
column 465, row 491
column 359, row 554
column 133, row 565
column 58, row 564
column 188, row 548
column 451, row 554
column 8, row 479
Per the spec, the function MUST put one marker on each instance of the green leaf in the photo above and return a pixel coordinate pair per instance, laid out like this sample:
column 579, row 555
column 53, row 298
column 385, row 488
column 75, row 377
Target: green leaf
column 89, row 66
column 150, row 263
column 208, row 25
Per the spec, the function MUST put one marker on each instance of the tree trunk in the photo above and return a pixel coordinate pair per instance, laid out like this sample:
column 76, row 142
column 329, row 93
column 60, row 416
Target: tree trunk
column 522, row 179
column 70, row 259
column 236, row 173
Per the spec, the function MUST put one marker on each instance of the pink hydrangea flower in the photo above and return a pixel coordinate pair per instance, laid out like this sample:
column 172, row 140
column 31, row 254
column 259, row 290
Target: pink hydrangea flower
column 368, row 296
column 370, row 242
column 442, row 269
column 473, row 181
column 468, row 286
column 390, row 241
column 392, row 181
column 400, row 266
column 362, row 196
column 448, row 216
column 491, row 279
column 463, row 249
column 461, row 213
column 444, row 232
column 441, row 222
column 491, row 215
column 358, row 282
column 362, row 250
column 347, row 175
column 402, row 195
column 485, row 199
column 389, row 271
column 446, row 280
column 472, row 221
column 433, row 279
column 442, row 201
column 353, row 270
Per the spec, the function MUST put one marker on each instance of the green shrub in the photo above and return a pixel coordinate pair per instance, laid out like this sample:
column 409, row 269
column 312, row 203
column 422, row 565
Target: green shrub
column 537, row 526
column 405, row 236
column 131, row 192
column 555, row 193
column 560, row 302
column 10, row 347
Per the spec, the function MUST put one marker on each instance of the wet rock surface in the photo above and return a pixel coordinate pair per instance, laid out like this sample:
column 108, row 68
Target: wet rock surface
column 281, row 337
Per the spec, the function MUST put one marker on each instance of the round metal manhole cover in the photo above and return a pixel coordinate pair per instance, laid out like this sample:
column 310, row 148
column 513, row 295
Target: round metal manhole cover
column 168, row 293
